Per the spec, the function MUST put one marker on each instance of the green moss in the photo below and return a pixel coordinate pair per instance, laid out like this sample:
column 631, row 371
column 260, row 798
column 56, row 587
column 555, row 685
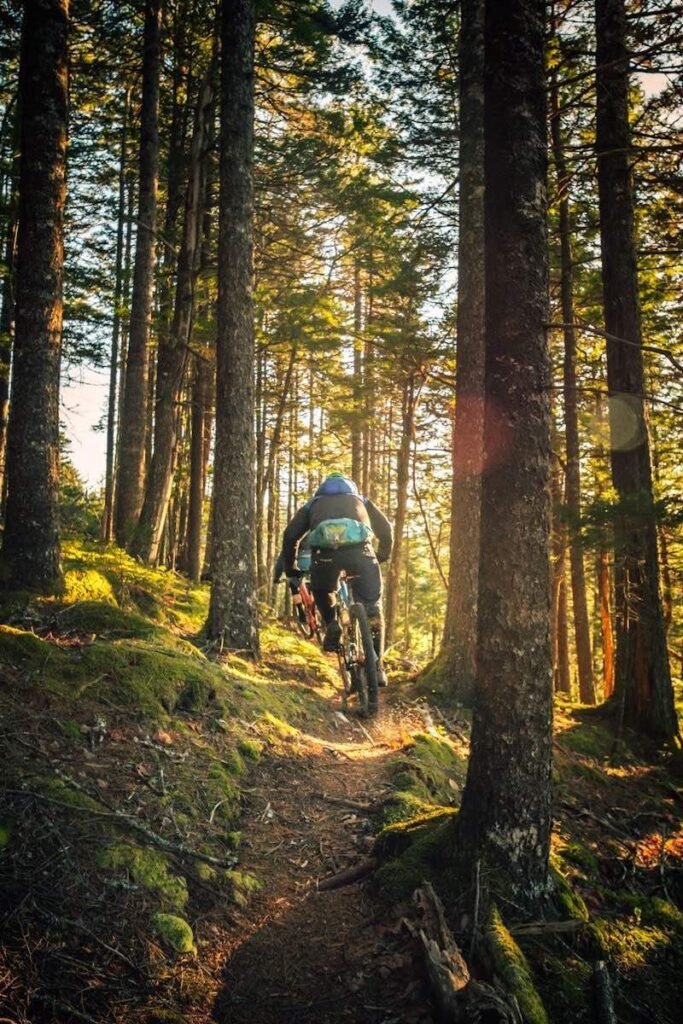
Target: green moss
column 221, row 793
column 277, row 728
column 22, row 649
column 99, row 617
column 5, row 836
column 631, row 946
column 55, row 789
column 149, row 868
column 175, row 932
column 164, row 1016
column 510, row 965
column 662, row 913
column 581, row 857
column 571, row 903
column 568, row 984
column 251, row 749
column 589, row 739
column 71, row 730
column 87, row 585
column 405, row 806
column 412, row 851
column 652, row 911
column 204, row 872
column 427, row 779
column 234, row 762
column 243, row 886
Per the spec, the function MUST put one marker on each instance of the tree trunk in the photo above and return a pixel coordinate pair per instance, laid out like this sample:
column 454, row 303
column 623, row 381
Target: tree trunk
column 584, row 656
column 173, row 348
column 261, row 569
column 202, row 401
column 357, row 387
column 200, row 410
column 131, row 467
column 460, row 631
column 410, row 399
column 107, row 529
column 232, row 610
column 505, row 814
column 643, row 681
column 31, row 548
column 605, row 606
column 8, row 300
column 560, row 646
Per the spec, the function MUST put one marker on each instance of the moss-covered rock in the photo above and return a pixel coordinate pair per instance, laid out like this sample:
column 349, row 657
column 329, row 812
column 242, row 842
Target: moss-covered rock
column 174, row 932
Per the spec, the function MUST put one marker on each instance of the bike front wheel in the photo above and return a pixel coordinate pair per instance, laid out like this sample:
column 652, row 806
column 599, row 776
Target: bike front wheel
column 367, row 660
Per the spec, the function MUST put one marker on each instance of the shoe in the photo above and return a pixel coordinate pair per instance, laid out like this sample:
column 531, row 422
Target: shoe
column 332, row 636
column 381, row 676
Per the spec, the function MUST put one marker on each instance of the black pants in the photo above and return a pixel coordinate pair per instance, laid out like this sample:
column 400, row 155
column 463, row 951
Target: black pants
column 364, row 578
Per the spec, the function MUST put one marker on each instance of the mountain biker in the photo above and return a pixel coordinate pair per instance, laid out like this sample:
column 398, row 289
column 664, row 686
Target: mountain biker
column 341, row 524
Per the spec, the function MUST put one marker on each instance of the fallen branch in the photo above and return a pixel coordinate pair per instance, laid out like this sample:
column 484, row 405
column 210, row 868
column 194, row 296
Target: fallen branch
column 349, row 875
column 354, row 805
column 546, row 927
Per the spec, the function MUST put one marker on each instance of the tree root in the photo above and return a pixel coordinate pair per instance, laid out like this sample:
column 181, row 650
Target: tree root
column 349, row 875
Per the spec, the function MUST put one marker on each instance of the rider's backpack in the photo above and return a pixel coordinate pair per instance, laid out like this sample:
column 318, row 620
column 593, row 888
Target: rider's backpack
column 339, row 533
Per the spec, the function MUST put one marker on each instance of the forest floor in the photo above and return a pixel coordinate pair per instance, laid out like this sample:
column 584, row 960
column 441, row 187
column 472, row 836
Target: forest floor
column 300, row 955
column 165, row 822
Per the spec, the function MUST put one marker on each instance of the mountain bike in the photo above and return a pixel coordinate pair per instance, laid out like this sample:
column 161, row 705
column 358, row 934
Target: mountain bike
column 356, row 652
column 305, row 613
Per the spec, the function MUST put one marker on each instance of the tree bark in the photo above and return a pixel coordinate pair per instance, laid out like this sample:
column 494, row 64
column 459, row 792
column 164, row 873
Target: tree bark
column 107, row 530
column 458, row 650
column 31, row 548
column 173, row 348
column 202, row 402
column 560, row 647
column 200, row 413
column 8, row 300
column 131, row 466
column 410, row 399
column 232, row 611
column 643, row 687
column 582, row 637
column 505, row 815
column 357, row 386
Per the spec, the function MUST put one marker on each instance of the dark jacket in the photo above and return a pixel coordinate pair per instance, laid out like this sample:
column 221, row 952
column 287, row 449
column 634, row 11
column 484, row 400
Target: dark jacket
column 336, row 506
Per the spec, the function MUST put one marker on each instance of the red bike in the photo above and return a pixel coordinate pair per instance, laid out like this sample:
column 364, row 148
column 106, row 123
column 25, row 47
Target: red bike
column 306, row 615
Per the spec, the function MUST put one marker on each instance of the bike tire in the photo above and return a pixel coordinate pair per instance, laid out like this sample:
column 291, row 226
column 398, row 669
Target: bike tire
column 368, row 668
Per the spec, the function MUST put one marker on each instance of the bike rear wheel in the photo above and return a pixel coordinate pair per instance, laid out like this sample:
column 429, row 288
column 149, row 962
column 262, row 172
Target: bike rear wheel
column 367, row 661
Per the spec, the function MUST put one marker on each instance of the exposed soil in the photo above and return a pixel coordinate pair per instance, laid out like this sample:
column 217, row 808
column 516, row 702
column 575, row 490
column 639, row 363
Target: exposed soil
column 299, row 955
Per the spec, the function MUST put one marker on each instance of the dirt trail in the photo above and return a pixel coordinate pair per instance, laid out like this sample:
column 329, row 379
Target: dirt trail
column 299, row 955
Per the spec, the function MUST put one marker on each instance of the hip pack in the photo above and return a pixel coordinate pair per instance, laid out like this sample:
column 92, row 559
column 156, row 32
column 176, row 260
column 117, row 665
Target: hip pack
column 338, row 533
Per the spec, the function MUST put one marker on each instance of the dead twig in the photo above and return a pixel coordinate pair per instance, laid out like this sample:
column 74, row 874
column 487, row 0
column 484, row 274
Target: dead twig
column 354, row 805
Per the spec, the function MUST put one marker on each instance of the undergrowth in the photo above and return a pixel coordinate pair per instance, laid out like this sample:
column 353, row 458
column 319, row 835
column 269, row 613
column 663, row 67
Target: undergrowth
column 125, row 750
